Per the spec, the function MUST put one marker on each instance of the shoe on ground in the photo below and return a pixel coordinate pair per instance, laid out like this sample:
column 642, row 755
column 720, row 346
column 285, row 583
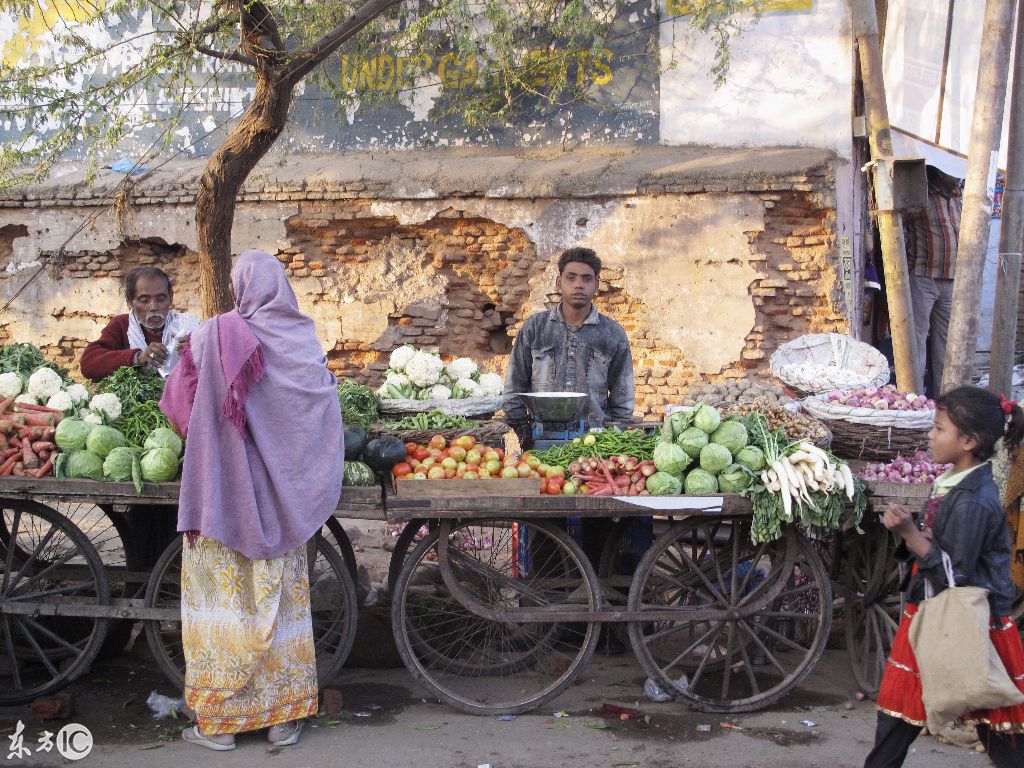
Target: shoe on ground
column 217, row 743
column 285, row 734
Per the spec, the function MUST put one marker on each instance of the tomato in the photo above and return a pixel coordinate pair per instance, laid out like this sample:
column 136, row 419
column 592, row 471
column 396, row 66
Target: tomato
column 450, row 473
column 457, row 452
column 559, row 481
column 552, row 489
column 509, row 472
column 523, row 469
column 473, row 456
column 464, row 441
column 421, row 453
column 470, row 476
column 501, row 454
column 555, row 472
column 438, row 441
column 436, row 472
column 410, row 448
column 401, row 469
column 569, row 489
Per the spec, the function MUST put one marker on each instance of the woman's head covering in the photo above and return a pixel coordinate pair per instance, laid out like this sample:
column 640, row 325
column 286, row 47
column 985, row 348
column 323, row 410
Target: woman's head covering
column 265, row 445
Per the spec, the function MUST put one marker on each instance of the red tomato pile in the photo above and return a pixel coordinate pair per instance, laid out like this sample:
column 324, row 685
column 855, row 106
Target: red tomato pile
column 464, row 459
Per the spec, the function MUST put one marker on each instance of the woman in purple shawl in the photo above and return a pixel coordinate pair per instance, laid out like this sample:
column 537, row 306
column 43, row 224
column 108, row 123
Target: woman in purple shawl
column 262, row 473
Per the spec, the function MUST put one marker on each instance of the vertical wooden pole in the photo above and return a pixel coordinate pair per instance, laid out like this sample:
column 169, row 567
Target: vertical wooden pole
column 1011, row 233
column 890, row 224
column 989, row 99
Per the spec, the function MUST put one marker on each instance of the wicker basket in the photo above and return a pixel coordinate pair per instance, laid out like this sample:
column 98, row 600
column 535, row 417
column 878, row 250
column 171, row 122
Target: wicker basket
column 470, row 407
column 869, row 365
column 913, row 495
column 490, row 433
column 870, row 435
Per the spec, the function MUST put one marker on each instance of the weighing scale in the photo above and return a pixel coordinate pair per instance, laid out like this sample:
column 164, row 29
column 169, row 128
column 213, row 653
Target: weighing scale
column 555, row 417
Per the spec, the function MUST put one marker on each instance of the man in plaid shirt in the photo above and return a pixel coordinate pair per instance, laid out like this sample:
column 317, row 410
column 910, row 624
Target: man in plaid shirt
column 931, row 235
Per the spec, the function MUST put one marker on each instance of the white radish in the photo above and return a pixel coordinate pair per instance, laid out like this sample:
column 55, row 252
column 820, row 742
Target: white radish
column 848, row 480
column 787, row 502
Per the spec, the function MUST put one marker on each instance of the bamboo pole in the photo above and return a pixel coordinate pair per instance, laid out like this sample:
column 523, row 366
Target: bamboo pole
column 990, row 96
column 1011, row 234
column 890, row 224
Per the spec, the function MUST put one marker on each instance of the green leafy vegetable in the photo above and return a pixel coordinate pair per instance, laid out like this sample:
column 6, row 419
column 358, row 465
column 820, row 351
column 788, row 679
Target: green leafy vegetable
column 71, row 434
column 139, row 420
column 670, row 458
column 663, row 484
column 84, row 464
column 118, row 464
column 159, row 465
column 732, row 434
column 103, row 439
column 714, row 458
column 23, row 359
column 699, row 481
column 359, row 404
column 163, row 437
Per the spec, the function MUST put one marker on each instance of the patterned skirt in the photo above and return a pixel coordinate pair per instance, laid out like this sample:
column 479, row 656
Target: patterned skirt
column 248, row 637
column 900, row 692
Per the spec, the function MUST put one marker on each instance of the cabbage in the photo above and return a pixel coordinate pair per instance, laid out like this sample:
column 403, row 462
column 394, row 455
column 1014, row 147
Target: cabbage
column 72, row 433
column 670, row 458
column 675, row 424
column 706, row 417
column 714, row 458
column 159, row 465
column 84, row 464
column 118, row 464
column 752, row 458
column 691, row 440
column 699, row 481
column 733, row 478
column 662, row 484
column 731, row 434
column 103, row 439
column 162, row 437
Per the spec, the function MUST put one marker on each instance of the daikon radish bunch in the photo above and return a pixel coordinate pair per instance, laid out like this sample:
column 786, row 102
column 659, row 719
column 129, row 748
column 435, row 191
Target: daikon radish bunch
column 806, row 470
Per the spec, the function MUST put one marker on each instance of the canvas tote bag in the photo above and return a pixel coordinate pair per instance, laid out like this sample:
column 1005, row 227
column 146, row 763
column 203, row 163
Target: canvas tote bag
column 960, row 670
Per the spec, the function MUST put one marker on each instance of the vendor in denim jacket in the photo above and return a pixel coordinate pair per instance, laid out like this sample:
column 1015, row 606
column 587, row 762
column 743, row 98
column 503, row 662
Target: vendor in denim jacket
column 573, row 348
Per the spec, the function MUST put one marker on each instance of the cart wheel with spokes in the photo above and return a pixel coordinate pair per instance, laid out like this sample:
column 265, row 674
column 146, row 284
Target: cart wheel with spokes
column 404, row 544
column 752, row 618
column 333, row 604
column 444, row 614
column 49, row 562
column 873, row 604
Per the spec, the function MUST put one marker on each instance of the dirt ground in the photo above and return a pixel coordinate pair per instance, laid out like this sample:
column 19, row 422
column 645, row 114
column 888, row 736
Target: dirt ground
column 389, row 720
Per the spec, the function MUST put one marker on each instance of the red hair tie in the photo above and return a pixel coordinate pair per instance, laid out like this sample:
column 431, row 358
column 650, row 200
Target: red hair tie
column 1006, row 405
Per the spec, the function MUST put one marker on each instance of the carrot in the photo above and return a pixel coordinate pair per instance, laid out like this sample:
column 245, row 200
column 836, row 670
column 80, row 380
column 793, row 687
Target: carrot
column 8, row 466
column 3, row 443
column 8, row 425
column 5, row 455
column 41, row 408
column 31, row 461
column 39, row 419
column 44, row 456
column 32, row 433
column 43, row 469
column 43, row 445
column 14, row 441
column 6, row 404
column 19, row 470
column 48, row 434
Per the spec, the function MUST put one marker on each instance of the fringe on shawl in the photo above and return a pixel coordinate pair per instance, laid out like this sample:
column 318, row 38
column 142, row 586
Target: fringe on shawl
column 233, row 409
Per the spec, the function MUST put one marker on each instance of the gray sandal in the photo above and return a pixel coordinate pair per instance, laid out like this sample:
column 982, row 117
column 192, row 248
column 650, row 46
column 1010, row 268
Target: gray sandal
column 193, row 735
column 285, row 734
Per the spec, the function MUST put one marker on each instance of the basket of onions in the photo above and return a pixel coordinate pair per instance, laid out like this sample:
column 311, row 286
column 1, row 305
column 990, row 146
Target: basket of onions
column 875, row 424
column 904, row 480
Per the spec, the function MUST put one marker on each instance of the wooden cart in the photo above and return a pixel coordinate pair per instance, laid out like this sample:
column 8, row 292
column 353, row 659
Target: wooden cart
column 496, row 610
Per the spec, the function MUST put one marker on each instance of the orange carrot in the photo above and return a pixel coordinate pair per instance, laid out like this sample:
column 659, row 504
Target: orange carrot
column 5, row 455
column 48, row 434
column 41, row 408
column 43, row 469
column 6, row 404
column 7, row 467
column 9, row 425
column 43, row 445
column 3, row 443
column 44, row 456
column 32, row 433
column 15, row 442
column 39, row 419
column 30, row 460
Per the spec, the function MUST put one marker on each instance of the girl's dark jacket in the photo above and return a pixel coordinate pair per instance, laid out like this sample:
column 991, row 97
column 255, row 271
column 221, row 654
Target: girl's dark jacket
column 971, row 528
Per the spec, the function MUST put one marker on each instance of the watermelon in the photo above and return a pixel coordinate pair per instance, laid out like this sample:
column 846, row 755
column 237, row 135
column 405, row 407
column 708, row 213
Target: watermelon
column 355, row 441
column 358, row 474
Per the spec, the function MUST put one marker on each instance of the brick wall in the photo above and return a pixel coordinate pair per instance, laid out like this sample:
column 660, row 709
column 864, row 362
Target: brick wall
column 491, row 275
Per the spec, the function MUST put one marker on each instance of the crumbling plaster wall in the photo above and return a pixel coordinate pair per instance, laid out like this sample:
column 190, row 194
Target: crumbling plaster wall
column 707, row 278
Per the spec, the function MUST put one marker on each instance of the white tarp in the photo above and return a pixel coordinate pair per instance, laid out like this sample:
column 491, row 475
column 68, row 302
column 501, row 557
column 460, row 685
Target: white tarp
column 930, row 120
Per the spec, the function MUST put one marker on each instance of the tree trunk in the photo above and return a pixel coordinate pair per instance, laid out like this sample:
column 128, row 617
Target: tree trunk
column 962, row 339
column 225, row 173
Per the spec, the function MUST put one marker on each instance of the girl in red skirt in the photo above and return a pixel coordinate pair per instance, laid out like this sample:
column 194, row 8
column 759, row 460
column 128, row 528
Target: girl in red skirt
column 964, row 519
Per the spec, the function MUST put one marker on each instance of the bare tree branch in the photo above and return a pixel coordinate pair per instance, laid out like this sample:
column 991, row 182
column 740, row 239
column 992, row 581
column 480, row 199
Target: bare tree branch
column 303, row 62
column 226, row 55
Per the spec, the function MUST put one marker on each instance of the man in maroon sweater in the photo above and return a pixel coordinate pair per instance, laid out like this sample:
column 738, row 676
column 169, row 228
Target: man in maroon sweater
column 138, row 340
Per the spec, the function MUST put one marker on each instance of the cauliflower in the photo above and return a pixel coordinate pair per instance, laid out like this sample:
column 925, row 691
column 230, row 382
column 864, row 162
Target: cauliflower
column 91, row 418
column 400, row 357
column 465, row 388
column 62, row 401
column 491, row 384
column 463, row 368
column 79, row 394
column 398, row 379
column 396, row 386
column 437, row 392
column 106, row 405
column 26, row 398
column 44, row 383
column 10, row 384
column 424, row 369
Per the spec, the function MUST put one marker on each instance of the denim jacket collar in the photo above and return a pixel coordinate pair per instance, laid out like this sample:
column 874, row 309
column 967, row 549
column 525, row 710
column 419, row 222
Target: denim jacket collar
column 556, row 315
